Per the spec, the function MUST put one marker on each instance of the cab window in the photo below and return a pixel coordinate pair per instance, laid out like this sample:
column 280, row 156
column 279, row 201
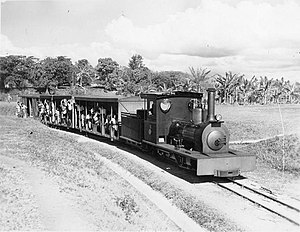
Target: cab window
column 151, row 109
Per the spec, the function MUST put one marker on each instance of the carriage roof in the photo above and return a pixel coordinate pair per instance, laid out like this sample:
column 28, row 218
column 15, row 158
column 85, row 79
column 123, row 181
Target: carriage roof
column 162, row 95
column 104, row 98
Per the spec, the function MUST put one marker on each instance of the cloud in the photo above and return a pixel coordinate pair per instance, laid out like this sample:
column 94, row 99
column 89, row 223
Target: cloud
column 7, row 47
column 213, row 29
column 75, row 51
column 255, row 38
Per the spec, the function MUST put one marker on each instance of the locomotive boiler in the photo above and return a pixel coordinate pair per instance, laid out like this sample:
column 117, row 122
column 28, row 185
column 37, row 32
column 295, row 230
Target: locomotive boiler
column 204, row 134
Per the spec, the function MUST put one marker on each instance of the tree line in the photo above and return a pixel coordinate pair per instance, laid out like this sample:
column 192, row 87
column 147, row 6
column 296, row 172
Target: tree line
column 49, row 74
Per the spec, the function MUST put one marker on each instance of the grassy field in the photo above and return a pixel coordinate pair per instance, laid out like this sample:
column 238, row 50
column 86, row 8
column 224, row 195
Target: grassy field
column 8, row 109
column 259, row 122
column 244, row 122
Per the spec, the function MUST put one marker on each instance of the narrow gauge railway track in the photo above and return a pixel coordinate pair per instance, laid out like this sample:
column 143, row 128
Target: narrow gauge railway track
column 287, row 208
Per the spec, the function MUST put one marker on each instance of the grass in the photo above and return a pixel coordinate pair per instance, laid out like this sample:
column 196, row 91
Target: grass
column 281, row 153
column 8, row 109
column 259, row 122
column 250, row 122
column 128, row 205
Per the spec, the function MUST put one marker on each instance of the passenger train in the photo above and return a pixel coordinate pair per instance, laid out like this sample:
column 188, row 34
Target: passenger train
column 181, row 126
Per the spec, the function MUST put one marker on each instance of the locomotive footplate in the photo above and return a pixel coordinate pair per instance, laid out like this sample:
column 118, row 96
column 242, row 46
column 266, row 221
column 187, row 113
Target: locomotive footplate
column 227, row 164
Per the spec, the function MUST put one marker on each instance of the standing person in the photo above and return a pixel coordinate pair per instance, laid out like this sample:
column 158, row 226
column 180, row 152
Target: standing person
column 18, row 109
column 89, row 121
column 69, row 111
column 43, row 113
column 107, row 125
column 47, row 111
column 63, row 105
column 96, row 120
column 53, row 111
column 113, row 128
column 41, row 108
column 57, row 116
column 83, row 121
column 40, row 104
column 24, row 110
column 9, row 98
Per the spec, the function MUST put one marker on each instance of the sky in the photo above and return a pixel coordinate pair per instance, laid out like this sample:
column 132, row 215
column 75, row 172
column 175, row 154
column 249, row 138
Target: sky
column 251, row 37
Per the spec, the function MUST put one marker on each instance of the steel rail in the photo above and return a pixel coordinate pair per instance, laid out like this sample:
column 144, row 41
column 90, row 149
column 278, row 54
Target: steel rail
column 265, row 195
column 261, row 204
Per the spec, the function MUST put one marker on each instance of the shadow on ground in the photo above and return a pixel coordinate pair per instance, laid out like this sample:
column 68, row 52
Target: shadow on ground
column 164, row 164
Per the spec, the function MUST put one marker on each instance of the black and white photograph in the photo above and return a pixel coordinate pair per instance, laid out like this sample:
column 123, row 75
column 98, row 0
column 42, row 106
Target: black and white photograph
column 150, row 115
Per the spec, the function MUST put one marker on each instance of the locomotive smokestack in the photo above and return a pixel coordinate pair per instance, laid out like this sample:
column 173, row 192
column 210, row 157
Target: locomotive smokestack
column 211, row 104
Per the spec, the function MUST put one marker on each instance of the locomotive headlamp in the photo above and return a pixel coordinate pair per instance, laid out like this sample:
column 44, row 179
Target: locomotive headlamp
column 165, row 105
column 219, row 117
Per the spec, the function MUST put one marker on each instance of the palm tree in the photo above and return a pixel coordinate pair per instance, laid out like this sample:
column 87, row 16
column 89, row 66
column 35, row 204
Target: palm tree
column 253, row 92
column 163, row 88
column 244, row 86
column 278, row 90
column 264, row 88
column 227, row 85
column 199, row 78
column 289, row 91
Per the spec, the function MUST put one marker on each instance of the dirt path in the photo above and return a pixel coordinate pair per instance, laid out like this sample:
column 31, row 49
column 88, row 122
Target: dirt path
column 55, row 211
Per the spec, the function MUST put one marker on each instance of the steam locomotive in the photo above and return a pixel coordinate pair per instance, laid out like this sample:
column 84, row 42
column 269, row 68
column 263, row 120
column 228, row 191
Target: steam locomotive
column 174, row 125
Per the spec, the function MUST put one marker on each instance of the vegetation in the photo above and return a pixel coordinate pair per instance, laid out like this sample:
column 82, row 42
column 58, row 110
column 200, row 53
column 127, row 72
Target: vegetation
column 50, row 74
column 281, row 153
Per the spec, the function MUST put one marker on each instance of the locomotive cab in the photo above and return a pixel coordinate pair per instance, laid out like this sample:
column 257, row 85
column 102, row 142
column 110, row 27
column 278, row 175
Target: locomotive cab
column 181, row 119
column 163, row 109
